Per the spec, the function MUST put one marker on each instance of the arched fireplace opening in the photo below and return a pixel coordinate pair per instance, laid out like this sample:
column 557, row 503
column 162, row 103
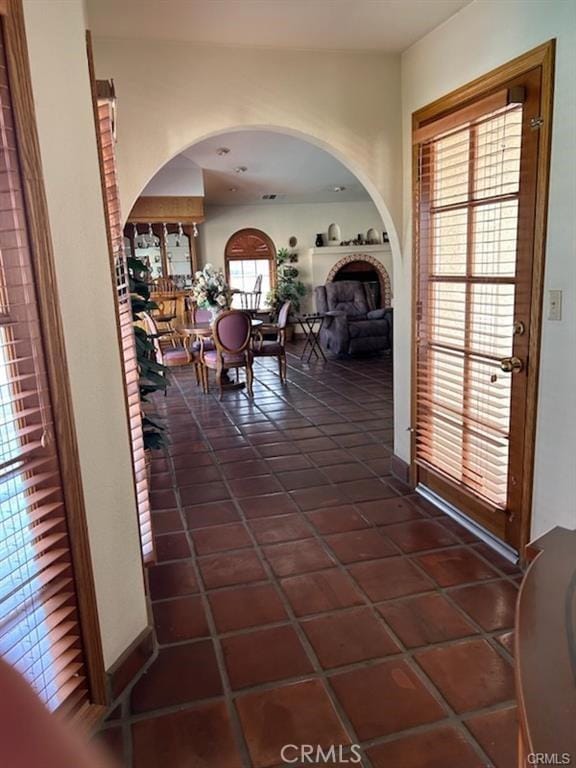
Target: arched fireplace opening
column 366, row 269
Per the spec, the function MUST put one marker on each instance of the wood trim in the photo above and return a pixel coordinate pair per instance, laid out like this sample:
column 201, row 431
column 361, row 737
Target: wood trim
column 468, row 114
column 543, row 56
column 157, row 209
column 122, row 673
column 271, row 258
column 53, row 341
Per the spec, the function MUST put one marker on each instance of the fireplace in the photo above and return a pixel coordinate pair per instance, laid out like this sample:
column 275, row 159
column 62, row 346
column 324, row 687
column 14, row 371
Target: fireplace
column 366, row 269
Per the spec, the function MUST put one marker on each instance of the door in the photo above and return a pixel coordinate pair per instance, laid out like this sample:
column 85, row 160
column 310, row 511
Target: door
column 477, row 301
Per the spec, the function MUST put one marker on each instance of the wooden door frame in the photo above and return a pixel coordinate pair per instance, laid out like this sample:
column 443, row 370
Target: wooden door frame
column 542, row 56
column 42, row 256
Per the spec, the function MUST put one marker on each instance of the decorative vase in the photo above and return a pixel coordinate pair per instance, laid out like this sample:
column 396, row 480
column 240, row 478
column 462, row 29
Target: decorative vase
column 319, row 240
column 372, row 237
column 334, row 234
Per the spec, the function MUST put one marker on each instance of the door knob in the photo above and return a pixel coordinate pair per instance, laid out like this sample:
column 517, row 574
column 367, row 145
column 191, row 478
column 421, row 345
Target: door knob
column 511, row 364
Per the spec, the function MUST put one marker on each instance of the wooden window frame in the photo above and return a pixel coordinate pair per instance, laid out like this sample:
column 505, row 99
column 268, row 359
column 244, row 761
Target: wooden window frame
column 267, row 239
column 42, row 257
column 481, row 88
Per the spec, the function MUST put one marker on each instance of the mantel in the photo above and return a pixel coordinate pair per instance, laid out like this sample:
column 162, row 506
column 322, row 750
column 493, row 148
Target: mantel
column 346, row 250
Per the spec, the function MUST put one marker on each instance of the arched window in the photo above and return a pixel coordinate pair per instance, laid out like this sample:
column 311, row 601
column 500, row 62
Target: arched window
column 250, row 253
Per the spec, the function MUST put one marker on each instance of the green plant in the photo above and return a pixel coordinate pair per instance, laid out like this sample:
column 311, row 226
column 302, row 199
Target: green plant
column 153, row 375
column 288, row 285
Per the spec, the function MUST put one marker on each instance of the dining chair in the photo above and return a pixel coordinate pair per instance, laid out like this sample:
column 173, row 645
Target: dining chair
column 163, row 294
column 231, row 334
column 250, row 300
column 275, row 347
column 172, row 356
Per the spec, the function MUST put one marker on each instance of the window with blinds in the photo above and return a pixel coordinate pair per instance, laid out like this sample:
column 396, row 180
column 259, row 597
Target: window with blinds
column 105, row 116
column 39, row 618
column 467, row 204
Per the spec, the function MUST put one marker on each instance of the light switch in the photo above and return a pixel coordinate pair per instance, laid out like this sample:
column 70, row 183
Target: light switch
column 554, row 305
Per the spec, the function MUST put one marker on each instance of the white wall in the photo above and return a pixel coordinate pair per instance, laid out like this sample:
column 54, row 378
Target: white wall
column 57, row 48
column 482, row 36
column 282, row 220
column 171, row 95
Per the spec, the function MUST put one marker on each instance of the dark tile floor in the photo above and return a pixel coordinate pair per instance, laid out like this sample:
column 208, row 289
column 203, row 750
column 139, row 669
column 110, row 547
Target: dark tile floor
column 304, row 596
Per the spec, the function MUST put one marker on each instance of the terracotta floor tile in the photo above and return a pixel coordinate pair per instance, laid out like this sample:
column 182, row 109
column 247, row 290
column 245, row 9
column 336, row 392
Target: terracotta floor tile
column 202, row 493
column 419, row 535
column 348, row 637
column 440, row 747
column 379, row 466
column 456, row 565
column 266, row 506
column 373, row 451
column 263, row 656
column 204, row 474
column 497, row 560
column 302, row 434
column 288, row 463
column 244, row 607
column 342, row 473
column 299, row 713
column 162, row 499
column 322, row 591
column 219, row 538
column 491, row 605
column 388, row 578
column 456, row 529
column 166, row 522
column 354, row 440
column 330, row 458
column 172, row 580
column 267, row 437
column 389, row 511
column 180, row 619
column 315, row 444
column 337, row 519
column 317, row 498
column 365, row 490
column 497, row 733
column 471, row 675
column 254, row 486
column 271, row 530
column 277, row 449
column 425, row 619
column 384, row 698
column 302, row 478
column 200, row 736
column 242, row 469
column 230, row 568
column 172, row 546
column 236, row 454
column 161, row 481
column 297, row 557
column 340, row 428
column 354, row 546
column 179, row 674
column 204, row 515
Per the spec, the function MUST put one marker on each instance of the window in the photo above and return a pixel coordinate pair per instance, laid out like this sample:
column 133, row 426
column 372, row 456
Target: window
column 48, row 623
column 250, row 254
column 106, row 139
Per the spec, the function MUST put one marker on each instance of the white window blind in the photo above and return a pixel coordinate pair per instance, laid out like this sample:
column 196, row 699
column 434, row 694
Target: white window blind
column 467, row 204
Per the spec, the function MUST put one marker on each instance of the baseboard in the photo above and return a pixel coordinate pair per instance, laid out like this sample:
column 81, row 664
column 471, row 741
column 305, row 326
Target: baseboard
column 128, row 666
column 400, row 469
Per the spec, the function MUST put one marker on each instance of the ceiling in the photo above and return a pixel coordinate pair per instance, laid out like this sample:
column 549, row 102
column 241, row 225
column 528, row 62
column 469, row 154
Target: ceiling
column 293, row 169
column 379, row 25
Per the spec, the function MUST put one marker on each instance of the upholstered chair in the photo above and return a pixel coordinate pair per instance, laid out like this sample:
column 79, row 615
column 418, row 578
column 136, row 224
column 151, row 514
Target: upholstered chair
column 276, row 347
column 171, row 357
column 231, row 332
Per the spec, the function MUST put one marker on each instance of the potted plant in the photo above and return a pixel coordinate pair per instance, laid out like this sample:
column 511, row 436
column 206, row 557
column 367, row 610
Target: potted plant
column 288, row 286
column 153, row 375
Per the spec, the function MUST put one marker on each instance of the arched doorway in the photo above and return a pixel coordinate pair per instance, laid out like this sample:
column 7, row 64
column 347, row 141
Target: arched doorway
column 249, row 255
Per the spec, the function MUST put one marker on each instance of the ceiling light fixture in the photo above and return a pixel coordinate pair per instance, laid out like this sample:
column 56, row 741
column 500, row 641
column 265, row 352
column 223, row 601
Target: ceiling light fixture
column 240, row 169
column 221, row 151
column 339, row 189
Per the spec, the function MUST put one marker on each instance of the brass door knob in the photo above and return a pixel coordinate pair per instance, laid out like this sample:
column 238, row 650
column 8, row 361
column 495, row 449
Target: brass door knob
column 511, row 364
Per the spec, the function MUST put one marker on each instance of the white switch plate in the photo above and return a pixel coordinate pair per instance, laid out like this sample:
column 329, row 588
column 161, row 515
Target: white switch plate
column 554, row 305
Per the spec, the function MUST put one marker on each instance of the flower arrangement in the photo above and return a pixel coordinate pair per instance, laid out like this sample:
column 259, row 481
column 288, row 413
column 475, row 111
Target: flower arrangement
column 210, row 290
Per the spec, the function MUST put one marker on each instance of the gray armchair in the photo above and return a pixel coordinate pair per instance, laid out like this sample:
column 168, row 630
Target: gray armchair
column 351, row 327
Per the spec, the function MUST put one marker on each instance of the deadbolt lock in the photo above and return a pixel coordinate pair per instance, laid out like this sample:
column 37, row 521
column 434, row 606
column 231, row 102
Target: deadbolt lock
column 511, row 364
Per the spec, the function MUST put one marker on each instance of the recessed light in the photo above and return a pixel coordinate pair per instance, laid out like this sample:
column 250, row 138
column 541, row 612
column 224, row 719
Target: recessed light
column 233, row 189
column 222, row 151
column 339, row 189
column 240, row 169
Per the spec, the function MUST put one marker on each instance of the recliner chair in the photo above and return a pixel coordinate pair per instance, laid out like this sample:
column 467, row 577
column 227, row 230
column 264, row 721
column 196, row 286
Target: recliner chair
column 351, row 326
